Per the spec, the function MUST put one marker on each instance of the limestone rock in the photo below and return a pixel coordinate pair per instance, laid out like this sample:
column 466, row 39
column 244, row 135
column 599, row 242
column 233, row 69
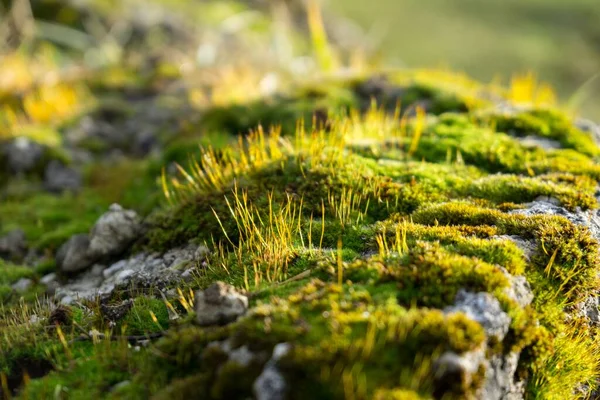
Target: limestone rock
column 219, row 304
column 59, row 178
column 451, row 369
column 111, row 235
column 240, row 355
column 22, row 155
column 538, row 141
column 548, row 206
column 51, row 283
column 271, row 384
column 589, row 126
column 73, row 256
column 13, row 245
column 114, row 231
column 483, row 308
column 500, row 381
column 22, row 285
column 527, row 246
column 141, row 270
column 520, row 290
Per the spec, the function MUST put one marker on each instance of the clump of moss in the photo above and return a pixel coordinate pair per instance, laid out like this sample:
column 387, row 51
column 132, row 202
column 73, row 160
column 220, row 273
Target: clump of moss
column 494, row 151
column 94, row 369
column 338, row 325
column 566, row 251
column 145, row 316
column 546, row 123
column 308, row 105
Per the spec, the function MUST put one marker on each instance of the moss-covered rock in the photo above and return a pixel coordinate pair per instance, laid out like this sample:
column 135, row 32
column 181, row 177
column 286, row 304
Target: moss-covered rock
column 396, row 238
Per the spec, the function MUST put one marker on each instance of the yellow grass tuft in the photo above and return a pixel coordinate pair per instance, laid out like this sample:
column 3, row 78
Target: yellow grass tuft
column 526, row 89
column 267, row 239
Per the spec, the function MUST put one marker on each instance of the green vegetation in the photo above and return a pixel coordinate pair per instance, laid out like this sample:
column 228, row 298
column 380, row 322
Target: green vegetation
column 353, row 212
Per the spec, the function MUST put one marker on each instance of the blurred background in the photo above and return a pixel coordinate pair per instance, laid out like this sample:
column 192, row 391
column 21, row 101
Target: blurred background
column 559, row 40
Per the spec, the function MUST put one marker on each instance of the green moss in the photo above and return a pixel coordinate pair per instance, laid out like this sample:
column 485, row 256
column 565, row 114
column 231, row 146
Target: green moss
column 517, row 189
column 320, row 344
column 575, row 260
column 471, row 241
column 48, row 220
column 140, row 319
column 10, row 273
column 414, row 93
column 547, row 123
column 281, row 112
column 383, row 240
column 496, row 152
column 94, row 372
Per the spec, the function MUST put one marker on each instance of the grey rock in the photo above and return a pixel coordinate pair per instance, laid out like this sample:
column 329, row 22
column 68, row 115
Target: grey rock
column 527, row 246
column 141, row 270
column 74, row 256
column 121, row 385
column 13, row 245
column 144, row 142
column 114, row 232
column 124, row 276
column 181, row 257
column 113, row 269
column 59, row 178
column 85, row 286
column 589, row 126
column 240, row 355
column 97, row 269
column 67, row 300
column 483, row 308
column 80, row 157
column 187, row 273
column 500, row 381
column 22, row 155
column 500, row 369
column 51, row 283
column 48, row 279
column 201, row 253
column 547, row 199
column 116, row 312
column 98, row 130
column 22, row 285
column 547, row 206
column 538, row 141
column 450, row 368
column 520, row 290
column 271, row 384
column 219, row 304
column 589, row 309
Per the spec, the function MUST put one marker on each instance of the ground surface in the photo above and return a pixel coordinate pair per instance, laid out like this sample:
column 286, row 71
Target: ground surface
column 181, row 222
